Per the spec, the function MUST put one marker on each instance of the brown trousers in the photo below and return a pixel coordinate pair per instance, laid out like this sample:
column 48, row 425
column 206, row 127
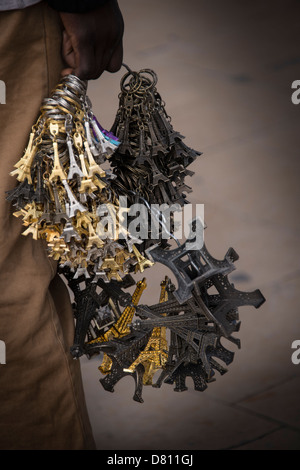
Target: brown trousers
column 42, row 403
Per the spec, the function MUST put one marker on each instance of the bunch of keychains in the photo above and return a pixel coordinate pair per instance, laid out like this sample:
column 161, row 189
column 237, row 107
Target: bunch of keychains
column 152, row 158
column 65, row 196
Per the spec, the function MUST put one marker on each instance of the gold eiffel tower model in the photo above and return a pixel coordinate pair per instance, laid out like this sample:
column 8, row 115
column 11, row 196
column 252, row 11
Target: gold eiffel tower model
column 121, row 327
column 155, row 354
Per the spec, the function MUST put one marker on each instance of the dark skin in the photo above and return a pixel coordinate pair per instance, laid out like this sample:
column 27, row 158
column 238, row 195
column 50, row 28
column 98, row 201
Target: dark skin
column 93, row 41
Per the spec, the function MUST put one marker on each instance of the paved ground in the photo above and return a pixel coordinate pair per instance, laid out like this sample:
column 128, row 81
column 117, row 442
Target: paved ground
column 225, row 72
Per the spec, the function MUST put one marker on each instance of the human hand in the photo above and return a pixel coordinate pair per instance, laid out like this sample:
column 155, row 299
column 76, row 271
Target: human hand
column 93, row 41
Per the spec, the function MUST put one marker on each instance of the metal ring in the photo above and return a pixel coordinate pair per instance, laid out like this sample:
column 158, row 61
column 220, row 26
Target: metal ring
column 136, row 85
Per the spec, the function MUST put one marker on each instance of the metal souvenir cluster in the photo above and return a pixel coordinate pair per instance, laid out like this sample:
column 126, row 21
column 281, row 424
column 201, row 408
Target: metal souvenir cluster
column 69, row 184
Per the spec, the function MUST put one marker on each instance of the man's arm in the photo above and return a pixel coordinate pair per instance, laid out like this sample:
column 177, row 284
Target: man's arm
column 92, row 36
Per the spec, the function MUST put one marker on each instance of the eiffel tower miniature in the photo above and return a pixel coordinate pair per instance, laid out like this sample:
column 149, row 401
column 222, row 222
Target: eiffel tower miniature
column 155, row 354
column 121, row 327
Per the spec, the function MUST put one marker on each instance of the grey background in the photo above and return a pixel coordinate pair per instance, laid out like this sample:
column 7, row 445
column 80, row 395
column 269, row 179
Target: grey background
column 225, row 71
